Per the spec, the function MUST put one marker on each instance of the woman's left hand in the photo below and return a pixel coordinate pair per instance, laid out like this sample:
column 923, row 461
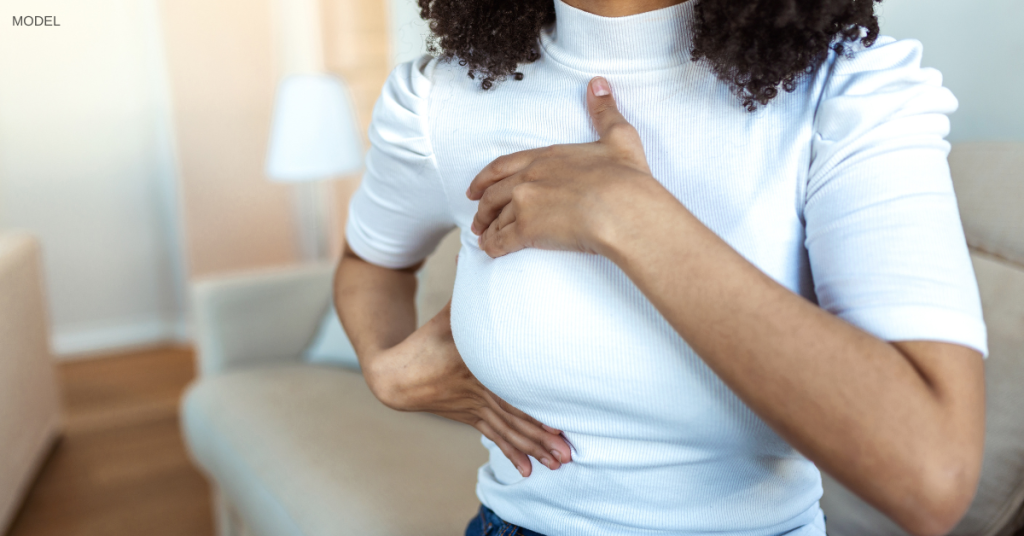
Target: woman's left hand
column 567, row 197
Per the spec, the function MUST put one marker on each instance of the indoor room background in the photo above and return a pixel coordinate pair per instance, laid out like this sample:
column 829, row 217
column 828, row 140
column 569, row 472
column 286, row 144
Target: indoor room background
column 134, row 135
column 132, row 143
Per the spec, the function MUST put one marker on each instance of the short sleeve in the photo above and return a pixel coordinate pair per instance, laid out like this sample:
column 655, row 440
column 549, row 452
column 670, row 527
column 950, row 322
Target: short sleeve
column 883, row 233
column 400, row 211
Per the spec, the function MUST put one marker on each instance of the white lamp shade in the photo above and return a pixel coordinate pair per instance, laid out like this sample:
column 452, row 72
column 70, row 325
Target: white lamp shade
column 314, row 134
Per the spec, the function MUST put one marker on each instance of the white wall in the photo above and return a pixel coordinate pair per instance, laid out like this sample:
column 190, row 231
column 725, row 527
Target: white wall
column 408, row 31
column 977, row 46
column 86, row 164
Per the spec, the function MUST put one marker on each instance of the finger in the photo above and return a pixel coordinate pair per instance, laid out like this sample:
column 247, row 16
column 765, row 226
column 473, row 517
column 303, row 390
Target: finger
column 495, row 198
column 551, row 430
column 499, row 168
column 554, row 449
column 520, row 413
column 552, row 441
column 601, row 104
column 507, row 428
column 518, row 459
column 523, row 415
column 497, row 242
column 506, row 217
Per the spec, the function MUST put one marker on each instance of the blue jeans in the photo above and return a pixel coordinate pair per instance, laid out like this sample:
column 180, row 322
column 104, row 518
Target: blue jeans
column 487, row 523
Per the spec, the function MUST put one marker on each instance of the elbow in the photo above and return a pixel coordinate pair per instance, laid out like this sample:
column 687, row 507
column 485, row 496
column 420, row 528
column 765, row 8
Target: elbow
column 383, row 384
column 935, row 519
column 944, row 492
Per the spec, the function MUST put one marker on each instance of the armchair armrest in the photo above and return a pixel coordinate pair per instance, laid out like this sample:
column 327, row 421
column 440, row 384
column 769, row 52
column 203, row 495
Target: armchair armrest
column 30, row 414
column 260, row 317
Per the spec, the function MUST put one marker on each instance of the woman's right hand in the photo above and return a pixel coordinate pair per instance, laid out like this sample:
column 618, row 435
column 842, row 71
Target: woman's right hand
column 426, row 373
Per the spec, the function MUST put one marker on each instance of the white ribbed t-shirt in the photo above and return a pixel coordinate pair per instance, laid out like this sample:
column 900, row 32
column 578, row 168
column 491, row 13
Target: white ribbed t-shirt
column 840, row 191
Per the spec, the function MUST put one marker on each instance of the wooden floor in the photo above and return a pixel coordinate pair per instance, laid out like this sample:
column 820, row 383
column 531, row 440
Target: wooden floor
column 120, row 468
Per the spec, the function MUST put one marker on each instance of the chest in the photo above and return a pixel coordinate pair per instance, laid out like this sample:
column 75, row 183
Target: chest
column 553, row 332
column 740, row 173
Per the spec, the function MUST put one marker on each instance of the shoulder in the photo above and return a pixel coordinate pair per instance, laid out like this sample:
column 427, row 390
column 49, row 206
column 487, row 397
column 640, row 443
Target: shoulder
column 408, row 86
column 864, row 87
column 400, row 115
column 409, row 83
column 404, row 105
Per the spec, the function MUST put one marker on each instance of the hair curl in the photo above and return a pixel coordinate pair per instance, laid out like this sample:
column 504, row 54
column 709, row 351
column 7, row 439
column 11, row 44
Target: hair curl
column 755, row 46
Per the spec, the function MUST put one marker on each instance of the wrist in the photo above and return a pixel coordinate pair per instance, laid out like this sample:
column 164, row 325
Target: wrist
column 638, row 211
column 407, row 376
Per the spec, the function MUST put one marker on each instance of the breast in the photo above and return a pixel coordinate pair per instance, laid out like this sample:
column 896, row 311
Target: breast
column 570, row 340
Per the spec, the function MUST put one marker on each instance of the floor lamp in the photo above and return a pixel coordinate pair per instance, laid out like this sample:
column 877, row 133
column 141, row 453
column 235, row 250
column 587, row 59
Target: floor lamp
column 314, row 136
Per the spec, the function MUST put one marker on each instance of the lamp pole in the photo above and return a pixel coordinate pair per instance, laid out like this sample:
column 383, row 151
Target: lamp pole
column 314, row 134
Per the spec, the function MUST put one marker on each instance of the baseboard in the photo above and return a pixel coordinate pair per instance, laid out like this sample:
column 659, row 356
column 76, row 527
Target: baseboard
column 77, row 341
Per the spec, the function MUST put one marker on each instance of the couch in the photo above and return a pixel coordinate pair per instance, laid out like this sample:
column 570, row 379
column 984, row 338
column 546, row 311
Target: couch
column 294, row 449
column 30, row 419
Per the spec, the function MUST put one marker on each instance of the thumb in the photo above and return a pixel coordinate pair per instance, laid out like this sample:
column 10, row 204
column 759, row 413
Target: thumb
column 601, row 104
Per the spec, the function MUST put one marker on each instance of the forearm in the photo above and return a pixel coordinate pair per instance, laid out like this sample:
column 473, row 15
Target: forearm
column 376, row 306
column 411, row 369
column 859, row 407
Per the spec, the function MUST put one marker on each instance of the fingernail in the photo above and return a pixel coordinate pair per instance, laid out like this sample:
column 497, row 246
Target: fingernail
column 546, row 462
column 521, row 471
column 557, row 455
column 601, row 87
column 473, row 228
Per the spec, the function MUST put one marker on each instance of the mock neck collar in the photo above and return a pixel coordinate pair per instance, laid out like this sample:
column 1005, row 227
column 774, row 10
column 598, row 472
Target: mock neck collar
column 648, row 41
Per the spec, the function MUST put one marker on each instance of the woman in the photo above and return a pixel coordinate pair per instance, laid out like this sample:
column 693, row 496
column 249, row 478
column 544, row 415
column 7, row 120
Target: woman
column 680, row 291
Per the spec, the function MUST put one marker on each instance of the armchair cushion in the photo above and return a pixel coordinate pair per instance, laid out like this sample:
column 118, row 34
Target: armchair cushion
column 435, row 282
column 989, row 184
column 307, row 450
column 331, row 346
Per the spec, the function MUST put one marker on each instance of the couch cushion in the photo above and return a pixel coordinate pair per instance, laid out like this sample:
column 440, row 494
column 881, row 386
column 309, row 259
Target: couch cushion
column 998, row 508
column 437, row 278
column 989, row 182
column 436, row 281
column 331, row 345
column 307, row 450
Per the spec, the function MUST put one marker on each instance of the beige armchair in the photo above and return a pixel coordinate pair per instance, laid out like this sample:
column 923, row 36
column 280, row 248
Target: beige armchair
column 29, row 410
column 297, row 449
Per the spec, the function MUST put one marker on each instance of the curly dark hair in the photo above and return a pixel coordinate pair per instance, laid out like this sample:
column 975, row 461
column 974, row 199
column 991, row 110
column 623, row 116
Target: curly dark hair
column 755, row 46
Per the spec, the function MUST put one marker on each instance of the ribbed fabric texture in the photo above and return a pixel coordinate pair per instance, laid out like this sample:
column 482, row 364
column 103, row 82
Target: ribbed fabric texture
column 839, row 190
